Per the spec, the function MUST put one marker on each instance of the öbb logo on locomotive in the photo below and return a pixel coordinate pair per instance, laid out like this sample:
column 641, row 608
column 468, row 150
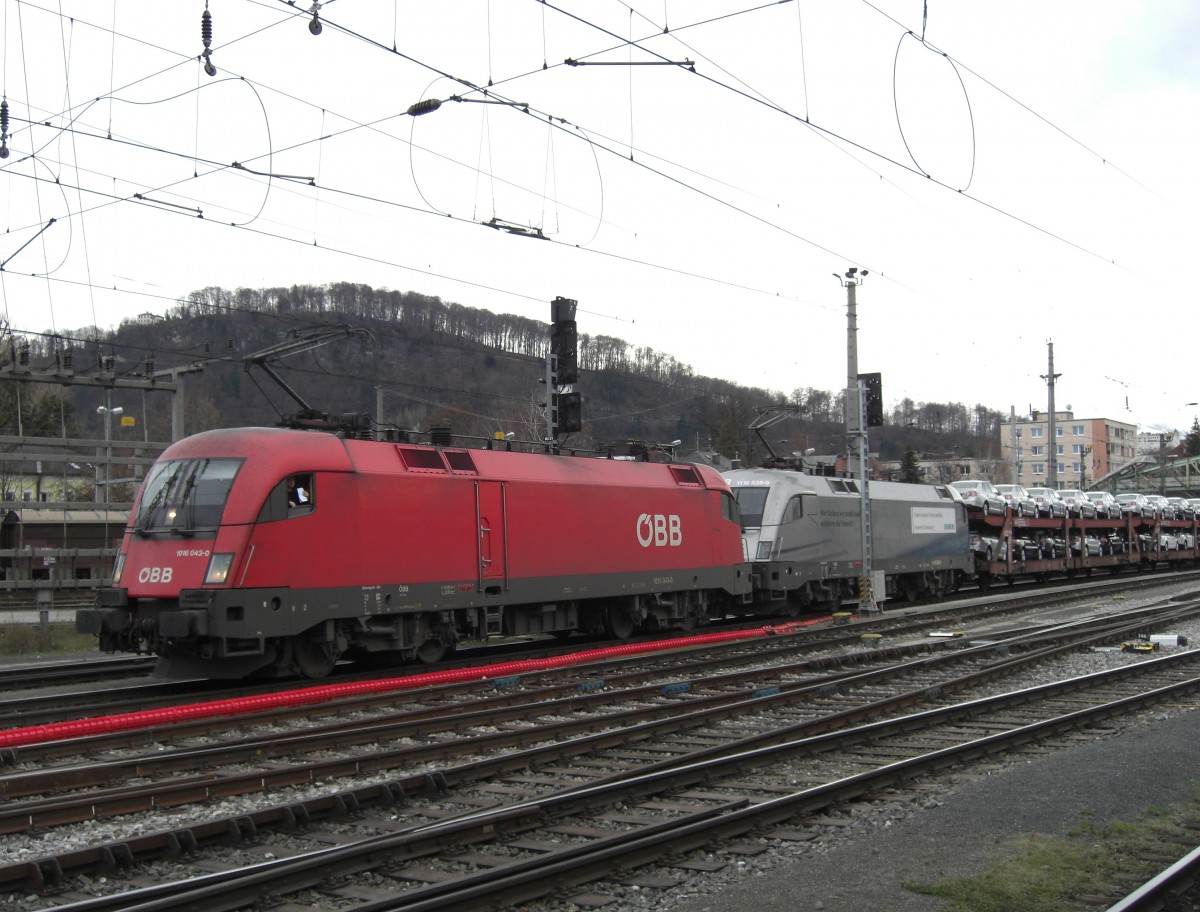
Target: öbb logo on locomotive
column 155, row 574
column 659, row 531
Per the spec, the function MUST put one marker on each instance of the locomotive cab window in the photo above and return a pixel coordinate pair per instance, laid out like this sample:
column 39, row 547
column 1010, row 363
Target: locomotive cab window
column 299, row 490
column 294, row 496
column 729, row 508
column 751, row 502
column 186, row 496
column 794, row 509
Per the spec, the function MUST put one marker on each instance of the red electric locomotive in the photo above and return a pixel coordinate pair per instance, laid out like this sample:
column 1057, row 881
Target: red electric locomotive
column 266, row 550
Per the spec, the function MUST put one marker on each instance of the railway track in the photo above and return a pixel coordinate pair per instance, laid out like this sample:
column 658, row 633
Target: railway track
column 638, row 711
column 99, row 668
column 813, row 710
column 131, row 691
column 1176, row 887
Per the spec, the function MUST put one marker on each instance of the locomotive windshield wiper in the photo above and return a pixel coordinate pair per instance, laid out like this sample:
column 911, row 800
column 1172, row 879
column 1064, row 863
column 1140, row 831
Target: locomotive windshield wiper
column 155, row 504
column 188, row 500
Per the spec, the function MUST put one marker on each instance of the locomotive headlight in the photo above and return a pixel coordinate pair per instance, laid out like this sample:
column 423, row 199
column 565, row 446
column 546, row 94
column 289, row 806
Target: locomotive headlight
column 218, row 569
column 118, row 566
column 764, row 549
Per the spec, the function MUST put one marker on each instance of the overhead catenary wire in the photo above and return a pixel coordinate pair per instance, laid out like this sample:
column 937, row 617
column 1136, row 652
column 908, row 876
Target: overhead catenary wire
column 839, row 254
column 678, row 28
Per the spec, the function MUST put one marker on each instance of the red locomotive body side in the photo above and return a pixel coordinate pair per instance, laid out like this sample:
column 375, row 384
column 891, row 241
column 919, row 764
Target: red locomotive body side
column 412, row 548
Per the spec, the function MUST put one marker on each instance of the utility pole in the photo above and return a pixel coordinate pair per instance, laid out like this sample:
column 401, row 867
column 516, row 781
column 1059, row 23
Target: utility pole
column 1162, row 463
column 1052, row 476
column 856, row 434
column 853, row 404
column 1015, row 445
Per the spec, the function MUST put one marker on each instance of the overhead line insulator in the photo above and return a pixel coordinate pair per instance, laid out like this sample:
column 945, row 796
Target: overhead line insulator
column 428, row 106
column 206, row 40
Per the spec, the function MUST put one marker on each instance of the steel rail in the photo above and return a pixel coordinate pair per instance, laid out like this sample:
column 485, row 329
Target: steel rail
column 576, row 864
column 156, row 845
column 17, row 816
column 1164, row 889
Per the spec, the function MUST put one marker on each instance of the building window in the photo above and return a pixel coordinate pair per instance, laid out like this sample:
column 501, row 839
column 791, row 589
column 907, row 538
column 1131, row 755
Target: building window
column 1058, row 431
column 1036, row 432
column 1058, row 450
column 1038, row 450
column 1039, row 469
column 1077, row 430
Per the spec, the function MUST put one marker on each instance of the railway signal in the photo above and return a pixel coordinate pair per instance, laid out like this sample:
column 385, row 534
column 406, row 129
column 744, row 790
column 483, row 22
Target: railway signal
column 873, row 392
column 564, row 408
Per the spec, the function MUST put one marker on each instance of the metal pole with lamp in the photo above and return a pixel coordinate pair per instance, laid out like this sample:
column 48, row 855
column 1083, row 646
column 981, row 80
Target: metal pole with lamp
column 854, row 419
column 108, row 411
column 856, row 435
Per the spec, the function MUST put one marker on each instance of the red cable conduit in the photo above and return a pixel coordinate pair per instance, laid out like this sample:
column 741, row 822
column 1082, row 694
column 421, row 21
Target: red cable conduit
column 152, row 718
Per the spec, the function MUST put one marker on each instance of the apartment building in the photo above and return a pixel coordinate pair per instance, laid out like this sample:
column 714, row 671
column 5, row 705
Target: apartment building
column 1083, row 449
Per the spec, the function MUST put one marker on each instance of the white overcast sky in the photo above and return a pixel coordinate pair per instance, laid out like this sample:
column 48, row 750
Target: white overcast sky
column 1025, row 174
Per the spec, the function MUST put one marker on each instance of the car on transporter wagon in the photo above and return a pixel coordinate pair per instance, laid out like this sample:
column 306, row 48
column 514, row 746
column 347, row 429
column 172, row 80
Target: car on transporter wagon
column 1106, row 505
column 980, row 494
column 1135, row 504
column 1078, row 503
column 1183, row 509
column 1018, row 499
column 1048, row 502
column 1166, row 509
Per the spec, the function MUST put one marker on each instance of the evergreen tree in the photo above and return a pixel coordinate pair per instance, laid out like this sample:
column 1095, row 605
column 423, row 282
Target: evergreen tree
column 1191, row 442
column 910, row 468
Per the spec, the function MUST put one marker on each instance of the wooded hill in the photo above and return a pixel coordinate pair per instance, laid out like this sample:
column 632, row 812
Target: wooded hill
column 434, row 363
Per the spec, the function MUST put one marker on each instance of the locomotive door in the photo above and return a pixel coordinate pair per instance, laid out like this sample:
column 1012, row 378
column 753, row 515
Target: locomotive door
column 492, row 540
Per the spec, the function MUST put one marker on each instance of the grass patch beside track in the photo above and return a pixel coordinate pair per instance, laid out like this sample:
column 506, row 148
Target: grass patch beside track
column 31, row 640
column 1090, row 868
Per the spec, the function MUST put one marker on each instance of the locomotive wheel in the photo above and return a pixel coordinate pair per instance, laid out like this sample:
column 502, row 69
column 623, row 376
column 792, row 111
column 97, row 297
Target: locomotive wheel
column 433, row 651
column 617, row 623
column 313, row 659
